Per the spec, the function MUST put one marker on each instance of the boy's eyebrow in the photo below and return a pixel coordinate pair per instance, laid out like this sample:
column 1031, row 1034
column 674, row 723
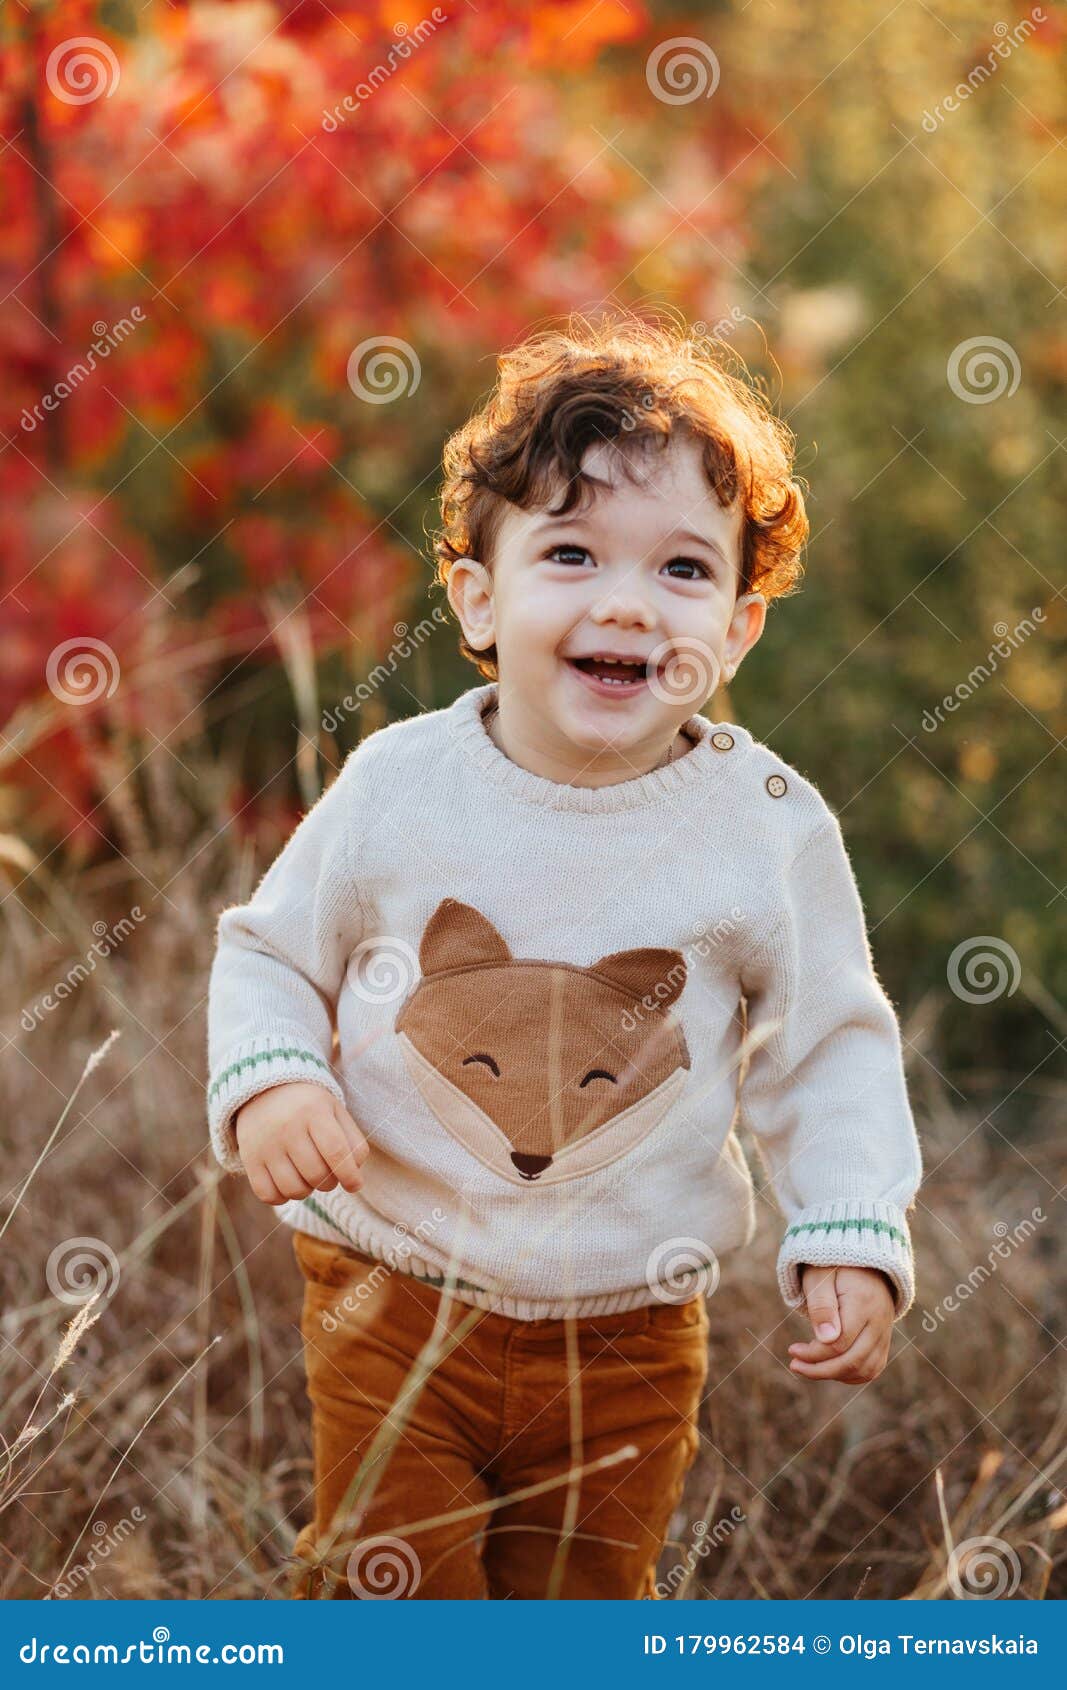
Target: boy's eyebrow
column 699, row 540
column 577, row 519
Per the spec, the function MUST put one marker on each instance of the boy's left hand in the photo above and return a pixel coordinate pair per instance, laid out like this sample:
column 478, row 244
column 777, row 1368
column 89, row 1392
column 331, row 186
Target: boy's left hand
column 851, row 1311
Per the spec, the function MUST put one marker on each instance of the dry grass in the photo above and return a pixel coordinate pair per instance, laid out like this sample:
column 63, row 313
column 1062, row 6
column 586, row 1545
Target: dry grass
column 157, row 1444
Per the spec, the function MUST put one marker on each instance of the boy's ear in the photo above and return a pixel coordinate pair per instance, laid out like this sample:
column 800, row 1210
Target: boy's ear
column 750, row 622
column 470, row 593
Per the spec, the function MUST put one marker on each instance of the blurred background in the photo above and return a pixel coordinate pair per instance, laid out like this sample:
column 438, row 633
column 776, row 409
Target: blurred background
column 258, row 259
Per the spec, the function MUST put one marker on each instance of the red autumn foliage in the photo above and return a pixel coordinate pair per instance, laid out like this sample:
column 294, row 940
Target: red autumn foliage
column 200, row 232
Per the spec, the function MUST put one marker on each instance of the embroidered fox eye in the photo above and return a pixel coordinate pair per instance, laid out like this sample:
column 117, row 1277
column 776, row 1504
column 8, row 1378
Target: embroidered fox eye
column 481, row 1057
column 597, row 1074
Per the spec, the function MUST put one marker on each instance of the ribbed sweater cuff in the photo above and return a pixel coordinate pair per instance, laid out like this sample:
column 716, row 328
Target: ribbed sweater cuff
column 849, row 1234
column 249, row 1069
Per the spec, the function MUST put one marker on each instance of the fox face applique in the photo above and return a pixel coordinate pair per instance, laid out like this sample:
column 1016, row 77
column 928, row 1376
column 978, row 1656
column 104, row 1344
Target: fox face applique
column 542, row 1070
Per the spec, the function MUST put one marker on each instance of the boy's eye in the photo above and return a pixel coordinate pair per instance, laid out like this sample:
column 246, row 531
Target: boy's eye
column 691, row 563
column 557, row 553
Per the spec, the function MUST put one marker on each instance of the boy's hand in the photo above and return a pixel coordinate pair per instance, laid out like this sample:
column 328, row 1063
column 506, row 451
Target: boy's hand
column 851, row 1312
column 296, row 1138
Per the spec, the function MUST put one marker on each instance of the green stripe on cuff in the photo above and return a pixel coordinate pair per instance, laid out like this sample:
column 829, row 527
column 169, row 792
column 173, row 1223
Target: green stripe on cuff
column 841, row 1226
column 286, row 1053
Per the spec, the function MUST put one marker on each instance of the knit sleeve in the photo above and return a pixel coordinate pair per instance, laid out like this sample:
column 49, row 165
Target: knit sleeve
column 825, row 1094
column 278, row 967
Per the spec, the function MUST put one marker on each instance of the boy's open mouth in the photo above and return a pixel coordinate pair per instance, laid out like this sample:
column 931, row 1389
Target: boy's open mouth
column 607, row 674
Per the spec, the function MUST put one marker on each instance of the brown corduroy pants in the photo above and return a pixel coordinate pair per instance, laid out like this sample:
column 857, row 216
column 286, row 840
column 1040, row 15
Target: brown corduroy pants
column 426, row 1412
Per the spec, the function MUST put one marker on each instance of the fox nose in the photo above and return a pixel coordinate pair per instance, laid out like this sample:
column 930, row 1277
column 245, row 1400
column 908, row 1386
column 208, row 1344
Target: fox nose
column 530, row 1166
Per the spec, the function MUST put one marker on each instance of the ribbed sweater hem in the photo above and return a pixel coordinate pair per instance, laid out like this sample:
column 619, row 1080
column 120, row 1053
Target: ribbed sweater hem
column 309, row 1215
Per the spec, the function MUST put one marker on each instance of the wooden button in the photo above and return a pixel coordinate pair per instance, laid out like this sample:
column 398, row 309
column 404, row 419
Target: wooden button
column 722, row 742
column 775, row 785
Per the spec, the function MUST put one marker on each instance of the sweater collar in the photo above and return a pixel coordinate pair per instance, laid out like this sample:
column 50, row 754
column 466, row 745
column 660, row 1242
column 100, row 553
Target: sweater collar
column 700, row 765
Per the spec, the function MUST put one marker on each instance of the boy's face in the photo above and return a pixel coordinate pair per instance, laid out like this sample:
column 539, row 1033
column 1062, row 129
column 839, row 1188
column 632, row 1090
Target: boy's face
column 649, row 570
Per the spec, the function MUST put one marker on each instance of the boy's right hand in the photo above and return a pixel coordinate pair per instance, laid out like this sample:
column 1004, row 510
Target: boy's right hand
column 296, row 1138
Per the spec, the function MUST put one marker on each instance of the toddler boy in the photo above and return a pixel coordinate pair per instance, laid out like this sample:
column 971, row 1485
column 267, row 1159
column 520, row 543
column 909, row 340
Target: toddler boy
column 533, row 916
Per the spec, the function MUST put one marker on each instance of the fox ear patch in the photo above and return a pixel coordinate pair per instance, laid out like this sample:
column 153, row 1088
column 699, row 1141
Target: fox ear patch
column 458, row 935
column 654, row 973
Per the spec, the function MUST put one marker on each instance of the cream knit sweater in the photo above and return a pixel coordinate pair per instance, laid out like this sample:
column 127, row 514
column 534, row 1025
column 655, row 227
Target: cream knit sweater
column 536, row 990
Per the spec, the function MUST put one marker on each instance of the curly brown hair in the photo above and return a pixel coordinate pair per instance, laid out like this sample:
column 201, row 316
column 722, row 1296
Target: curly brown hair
column 625, row 379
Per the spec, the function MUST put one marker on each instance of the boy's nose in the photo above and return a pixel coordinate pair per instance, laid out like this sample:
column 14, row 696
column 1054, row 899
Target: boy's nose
column 530, row 1166
column 628, row 609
